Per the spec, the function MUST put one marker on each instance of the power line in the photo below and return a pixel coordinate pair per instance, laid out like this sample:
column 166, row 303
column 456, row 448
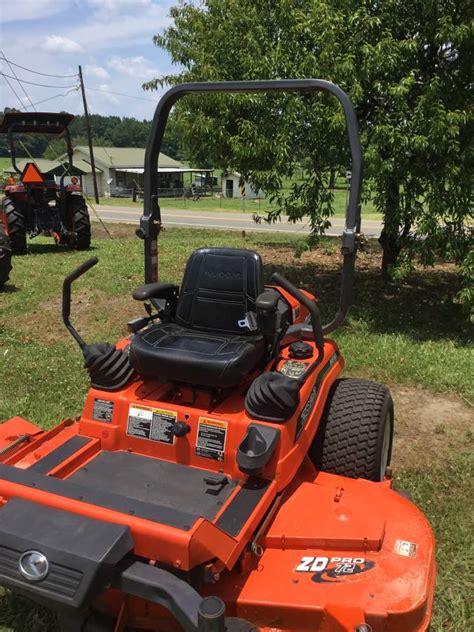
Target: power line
column 37, row 72
column 16, row 77
column 56, row 96
column 121, row 94
column 15, row 92
column 32, row 83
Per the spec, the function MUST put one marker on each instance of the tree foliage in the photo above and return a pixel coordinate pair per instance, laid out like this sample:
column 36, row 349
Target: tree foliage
column 406, row 67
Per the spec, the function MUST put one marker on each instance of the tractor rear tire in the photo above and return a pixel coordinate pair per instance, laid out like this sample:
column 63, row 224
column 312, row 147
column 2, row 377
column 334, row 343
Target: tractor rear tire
column 354, row 438
column 5, row 256
column 81, row 222
column 16, row 227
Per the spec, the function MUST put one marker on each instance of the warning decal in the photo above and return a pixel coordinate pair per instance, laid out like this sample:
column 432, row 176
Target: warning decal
column 103, row 410
column 405, row 548
column 151, row 423
column 211, row 438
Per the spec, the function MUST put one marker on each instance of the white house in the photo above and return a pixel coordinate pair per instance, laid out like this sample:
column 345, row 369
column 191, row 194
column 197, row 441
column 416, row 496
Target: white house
column 118, row 168
column 234, row 187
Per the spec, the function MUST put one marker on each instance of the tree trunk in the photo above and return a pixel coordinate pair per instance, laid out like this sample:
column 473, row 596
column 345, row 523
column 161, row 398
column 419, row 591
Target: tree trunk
column 390, row 236
column 390, row 251
column 332, row 179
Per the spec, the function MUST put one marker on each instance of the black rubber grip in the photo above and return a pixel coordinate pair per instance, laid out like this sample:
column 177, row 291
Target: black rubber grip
column 73, row 276
column 308, row 303
column 80, row 270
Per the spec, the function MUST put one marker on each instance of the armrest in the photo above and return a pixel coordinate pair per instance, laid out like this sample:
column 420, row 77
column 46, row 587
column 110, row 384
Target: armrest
column 167, row 291
column 267, row 301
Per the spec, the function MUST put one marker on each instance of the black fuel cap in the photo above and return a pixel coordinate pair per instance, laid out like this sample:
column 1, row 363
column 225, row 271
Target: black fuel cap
column 301, row 350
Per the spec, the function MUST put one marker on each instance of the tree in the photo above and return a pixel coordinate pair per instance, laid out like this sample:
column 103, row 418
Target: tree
column 406, row 67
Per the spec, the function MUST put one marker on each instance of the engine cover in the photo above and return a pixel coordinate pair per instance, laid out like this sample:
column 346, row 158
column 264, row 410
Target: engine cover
column 55, row 557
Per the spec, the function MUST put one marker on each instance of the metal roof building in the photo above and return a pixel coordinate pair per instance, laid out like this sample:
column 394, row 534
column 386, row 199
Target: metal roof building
column 118, row 170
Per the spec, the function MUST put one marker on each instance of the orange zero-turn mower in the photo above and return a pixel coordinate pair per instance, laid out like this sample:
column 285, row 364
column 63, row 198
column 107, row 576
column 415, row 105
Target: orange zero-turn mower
column 222, row 475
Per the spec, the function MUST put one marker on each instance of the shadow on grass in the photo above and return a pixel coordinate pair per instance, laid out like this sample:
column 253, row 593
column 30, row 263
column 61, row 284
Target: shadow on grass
column 38, row 249
column 421, row 307
column 9, row 288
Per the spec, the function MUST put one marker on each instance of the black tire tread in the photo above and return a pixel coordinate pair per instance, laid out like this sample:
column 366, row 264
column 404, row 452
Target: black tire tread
column 82, row 222
column 16, row 227
column 5, row 256
column 347, row 441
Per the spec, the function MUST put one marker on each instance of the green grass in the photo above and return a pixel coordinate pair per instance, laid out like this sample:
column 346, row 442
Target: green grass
column 445, row 494
column 413, row 333
column 235, row 205
column 5, row 162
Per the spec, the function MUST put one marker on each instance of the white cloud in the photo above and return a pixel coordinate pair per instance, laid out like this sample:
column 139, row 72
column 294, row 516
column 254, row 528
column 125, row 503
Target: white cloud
column 119, row 5
column 140, row 68
column 59, row 44
column 111, row 39
column 124, row 28
column 96, row 71
column 32, row 9
column 106, row 94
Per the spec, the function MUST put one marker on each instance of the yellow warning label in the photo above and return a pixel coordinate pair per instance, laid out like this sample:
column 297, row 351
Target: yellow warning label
column 154, row 424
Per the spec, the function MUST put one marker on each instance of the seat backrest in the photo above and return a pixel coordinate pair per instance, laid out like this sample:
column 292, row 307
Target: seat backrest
column 219, row 289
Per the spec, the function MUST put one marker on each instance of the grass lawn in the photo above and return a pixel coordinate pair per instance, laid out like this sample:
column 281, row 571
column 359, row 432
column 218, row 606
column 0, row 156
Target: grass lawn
column 235, row 205
column 412, row 337
column 5, row 162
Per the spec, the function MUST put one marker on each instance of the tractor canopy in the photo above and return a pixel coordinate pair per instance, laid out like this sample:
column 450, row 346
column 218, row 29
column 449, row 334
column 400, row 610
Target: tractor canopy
column 36, row 122
column 56, row 123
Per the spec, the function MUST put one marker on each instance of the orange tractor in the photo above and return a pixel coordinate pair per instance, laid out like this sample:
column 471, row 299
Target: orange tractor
column 38, row 206
column 222, row 475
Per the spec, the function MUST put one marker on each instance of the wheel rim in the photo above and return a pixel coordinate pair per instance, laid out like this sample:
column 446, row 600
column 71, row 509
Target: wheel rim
column 385, row 446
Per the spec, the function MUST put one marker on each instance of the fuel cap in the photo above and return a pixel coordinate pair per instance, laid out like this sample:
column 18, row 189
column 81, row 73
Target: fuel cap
column 34, row 566
column 301, row 350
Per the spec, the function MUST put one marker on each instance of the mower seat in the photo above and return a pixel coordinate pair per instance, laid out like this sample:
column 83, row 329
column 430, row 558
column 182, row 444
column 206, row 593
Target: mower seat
column 214, row 340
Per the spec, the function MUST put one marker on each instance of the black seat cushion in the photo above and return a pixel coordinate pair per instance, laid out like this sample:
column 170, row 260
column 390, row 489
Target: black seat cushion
column 214, row 341
column 179, row 354
column 220, row 287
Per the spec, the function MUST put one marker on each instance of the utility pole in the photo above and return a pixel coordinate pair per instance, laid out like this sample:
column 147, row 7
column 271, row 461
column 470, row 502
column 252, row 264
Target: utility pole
column 89, row 137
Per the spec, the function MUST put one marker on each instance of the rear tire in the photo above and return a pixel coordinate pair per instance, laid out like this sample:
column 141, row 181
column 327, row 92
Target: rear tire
column 355, row 435
column 81, row 222
column 16, row 227
column 5, row 256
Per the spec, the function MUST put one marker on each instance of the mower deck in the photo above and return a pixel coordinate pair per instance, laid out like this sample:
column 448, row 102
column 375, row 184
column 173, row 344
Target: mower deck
column 328, row 540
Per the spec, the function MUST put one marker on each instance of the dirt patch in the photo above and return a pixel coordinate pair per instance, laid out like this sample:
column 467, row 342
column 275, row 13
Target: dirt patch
column 113, row 231
column 96, row 315
column 429, row 426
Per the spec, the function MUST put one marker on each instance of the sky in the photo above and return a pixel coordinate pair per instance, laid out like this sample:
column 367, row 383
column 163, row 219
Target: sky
column 111, row 39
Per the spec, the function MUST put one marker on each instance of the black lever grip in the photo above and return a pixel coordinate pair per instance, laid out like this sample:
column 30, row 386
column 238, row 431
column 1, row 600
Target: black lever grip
column 309, row 304
column 69, row 279
column 80, row 270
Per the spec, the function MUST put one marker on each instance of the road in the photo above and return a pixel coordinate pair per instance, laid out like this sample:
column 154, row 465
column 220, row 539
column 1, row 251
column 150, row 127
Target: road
column 224, row 221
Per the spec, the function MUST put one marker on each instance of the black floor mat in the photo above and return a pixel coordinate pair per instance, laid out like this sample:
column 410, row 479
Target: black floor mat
column 155, row 482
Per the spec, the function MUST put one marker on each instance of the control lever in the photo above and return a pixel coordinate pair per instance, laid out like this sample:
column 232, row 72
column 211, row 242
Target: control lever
column 310, row 306
column 73, row 276
column 180, row 429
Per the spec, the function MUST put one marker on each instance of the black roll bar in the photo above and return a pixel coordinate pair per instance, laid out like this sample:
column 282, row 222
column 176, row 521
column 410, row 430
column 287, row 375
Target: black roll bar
column 150, row 222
